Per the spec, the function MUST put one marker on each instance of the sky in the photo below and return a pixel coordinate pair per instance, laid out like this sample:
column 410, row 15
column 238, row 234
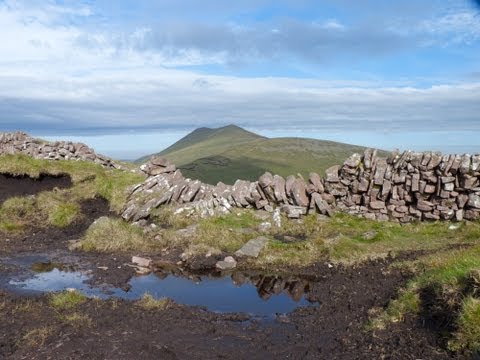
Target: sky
column 130, row 77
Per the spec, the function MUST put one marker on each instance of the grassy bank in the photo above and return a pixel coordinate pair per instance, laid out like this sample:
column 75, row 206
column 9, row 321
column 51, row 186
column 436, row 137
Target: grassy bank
column 60, row 207
column 444, row 292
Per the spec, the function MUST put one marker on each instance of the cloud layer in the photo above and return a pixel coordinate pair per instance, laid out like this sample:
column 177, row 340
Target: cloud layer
column 69, row 68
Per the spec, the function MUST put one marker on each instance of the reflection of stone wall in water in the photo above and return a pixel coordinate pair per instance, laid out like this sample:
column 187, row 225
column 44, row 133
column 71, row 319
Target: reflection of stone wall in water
column 21, row 143
column 403, row 187
column 274, row 285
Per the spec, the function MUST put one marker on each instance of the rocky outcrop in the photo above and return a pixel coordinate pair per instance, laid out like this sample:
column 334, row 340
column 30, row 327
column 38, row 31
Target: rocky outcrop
column 403, row 187
column 21, row 143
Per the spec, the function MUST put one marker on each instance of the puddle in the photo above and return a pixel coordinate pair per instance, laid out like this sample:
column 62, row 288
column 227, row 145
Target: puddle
column 257, row 295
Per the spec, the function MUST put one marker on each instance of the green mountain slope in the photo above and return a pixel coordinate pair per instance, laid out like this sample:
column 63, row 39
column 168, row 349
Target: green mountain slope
column 231, row 153
column 205, row 142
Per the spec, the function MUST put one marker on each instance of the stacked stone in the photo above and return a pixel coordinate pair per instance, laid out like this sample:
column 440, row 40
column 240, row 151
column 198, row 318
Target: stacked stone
column 21, row 143
column 403, row 187
column 410, row 186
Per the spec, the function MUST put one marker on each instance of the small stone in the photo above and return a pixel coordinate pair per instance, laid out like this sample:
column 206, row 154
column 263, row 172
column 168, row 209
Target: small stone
column 226, row 264
column 277, row 218
column 264, row 226
column 369, row 235
column 142, row 262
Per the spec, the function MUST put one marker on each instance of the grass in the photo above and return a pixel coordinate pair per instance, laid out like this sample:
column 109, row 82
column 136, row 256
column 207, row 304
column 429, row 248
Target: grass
column 449, row 274
column 37, row 337
column 111, row 234
column 226, row 233
column 61, row 207
column 16, row 213
column 77, row 320
column 67, row 300
column 148, row 302
column 468, row 334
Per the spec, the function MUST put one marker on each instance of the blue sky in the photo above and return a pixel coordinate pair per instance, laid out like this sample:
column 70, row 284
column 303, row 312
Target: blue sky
column 130, row 77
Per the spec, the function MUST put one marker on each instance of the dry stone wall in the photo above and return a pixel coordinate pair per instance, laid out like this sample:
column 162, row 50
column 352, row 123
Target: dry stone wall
column 21, row 143
column 403, row 187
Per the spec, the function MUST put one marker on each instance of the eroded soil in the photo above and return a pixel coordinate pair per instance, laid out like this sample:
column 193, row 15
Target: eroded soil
column 11, row 186
column 117, row 329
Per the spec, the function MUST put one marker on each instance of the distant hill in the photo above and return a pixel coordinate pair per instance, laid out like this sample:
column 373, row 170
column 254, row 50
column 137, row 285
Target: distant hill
column 229, row 153
column 205, row 142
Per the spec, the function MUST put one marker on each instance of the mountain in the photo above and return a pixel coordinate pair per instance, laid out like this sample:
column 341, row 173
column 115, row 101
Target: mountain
column 205, row 142
column 229, row 153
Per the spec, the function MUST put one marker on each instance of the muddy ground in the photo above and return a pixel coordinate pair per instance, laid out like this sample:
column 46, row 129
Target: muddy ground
column 118, row 329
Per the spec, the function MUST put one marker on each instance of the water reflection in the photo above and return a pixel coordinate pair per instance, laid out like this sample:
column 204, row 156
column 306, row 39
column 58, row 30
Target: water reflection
column 256, row 294
column 268, row 286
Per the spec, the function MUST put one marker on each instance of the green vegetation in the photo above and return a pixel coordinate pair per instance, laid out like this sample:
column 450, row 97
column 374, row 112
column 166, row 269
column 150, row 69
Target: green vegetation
column 76, row 320
column 450, row 278
column 226, row 233
column 61, row 207
column 468, row 333
column 148, row 302
column 230, row 153
column 205, row 142
column 36, row 337
column 15, row 213
column 67, row 300
column 110, row 235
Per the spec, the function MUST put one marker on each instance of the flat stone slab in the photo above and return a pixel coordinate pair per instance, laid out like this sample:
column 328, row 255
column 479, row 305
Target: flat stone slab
column 253, row 247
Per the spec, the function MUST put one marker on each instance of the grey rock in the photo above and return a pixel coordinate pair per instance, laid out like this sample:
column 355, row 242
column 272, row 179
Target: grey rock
column 474, row 201
column 265, row 180
column 332, row 174
column 377, row 205
column 253, row 247
column 141, row 261
column 353, row 161
column 424, row 206
column 226, row 264
column 316, row 181
column 278, row 185
column 294, row 212
column 299, row 192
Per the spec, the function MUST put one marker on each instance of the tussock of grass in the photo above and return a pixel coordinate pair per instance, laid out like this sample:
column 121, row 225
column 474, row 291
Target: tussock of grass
column 110, row 235
column 17, row 212
column 225, row 232
column 77, row 320
column 148, row 302
column 165, row 218
column 201, row 250
column 36, row 337
column 407, row 302
column 67, row 300
column 236, row 220
column 468, row 334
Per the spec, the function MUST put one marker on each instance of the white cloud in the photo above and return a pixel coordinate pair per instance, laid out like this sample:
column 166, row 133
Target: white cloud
column 454, row 28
